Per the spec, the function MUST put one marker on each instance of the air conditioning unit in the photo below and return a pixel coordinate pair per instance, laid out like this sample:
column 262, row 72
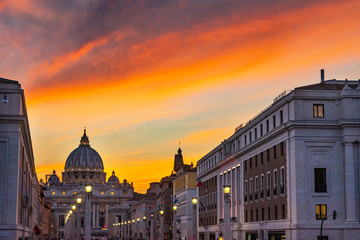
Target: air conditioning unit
column 25, row 201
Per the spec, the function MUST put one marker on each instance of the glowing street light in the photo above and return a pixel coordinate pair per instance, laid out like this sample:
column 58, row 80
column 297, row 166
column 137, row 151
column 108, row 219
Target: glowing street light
column 88, row 188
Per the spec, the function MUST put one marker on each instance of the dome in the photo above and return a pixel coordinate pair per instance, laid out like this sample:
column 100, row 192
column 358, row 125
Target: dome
column 53, row 179
column 113, row 178
column 84, row 158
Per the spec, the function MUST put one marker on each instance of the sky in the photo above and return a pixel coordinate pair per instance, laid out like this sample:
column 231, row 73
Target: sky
column 142, row 76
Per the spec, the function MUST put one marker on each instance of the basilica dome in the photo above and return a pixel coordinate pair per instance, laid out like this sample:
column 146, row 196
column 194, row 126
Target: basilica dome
column 84, row 158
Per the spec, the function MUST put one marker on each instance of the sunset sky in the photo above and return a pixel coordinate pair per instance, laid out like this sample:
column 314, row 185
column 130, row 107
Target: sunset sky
column 144, row 75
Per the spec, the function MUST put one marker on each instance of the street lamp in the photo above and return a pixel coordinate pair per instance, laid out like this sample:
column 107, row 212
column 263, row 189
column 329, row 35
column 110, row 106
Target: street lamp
column 88, row 189
column 161, row 212
column 227, row 231
column 174, row 222
column 194, row 201
column 78, row 200
column 151, row 226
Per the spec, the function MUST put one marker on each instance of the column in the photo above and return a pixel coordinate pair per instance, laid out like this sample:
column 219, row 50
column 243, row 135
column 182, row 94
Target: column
column 88, row 217
column 194, row 221
column 227, row 227
column 350, row 202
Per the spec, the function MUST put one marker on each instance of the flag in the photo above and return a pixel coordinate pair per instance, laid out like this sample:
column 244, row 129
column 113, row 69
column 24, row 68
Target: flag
column 199, row 183
column 36, row 230
column 159, row 207
column 175, row 199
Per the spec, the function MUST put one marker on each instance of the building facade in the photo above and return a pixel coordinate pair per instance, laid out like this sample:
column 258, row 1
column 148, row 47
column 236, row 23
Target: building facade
column 184, row 214
column 289, row 167
column 20, row 199
column 142, row 212
column 110, row 200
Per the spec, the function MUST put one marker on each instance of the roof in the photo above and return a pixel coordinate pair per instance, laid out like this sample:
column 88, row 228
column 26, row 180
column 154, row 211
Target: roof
column 330, row 85
column 4, row 80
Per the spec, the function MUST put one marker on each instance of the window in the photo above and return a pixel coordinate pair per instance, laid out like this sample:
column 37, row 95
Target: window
column 282, row 180
column 261, row 130
column 245, row 190
column 276, row 212
column 318, row 110
column 255, row 133
column 275, row 182
column 269, row 213
column 274, row 121
column 320, row 180
column 262, row 186
column 238, row 143
column 262, row 157
column 262, row 214
column 246, row 216
column 323, row 238
column 257, row 214
column 268, row 179
column 250, row 162
column 61, row 221
column 281, row 117
column 274, row 152
column 255, row 160
column 268, row 154
column 283, row 211
column 245, row 142
column 251, row 215
column 256, row 187
column 250, row 138
column 245, row 166
column 267, row 125
column 320, row 210
column 282, row 148
column 250, row 189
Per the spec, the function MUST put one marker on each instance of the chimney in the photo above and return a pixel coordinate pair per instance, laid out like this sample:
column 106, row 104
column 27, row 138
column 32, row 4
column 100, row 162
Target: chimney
column 322, row 75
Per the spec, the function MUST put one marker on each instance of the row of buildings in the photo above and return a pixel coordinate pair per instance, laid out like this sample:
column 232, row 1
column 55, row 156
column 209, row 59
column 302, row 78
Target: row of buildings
column 292, row 169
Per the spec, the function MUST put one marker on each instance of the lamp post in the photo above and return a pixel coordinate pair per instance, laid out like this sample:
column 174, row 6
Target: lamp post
column 194, row 201
column 161, row 229
column 151, row 226
column 174, row 222
column 227, row 227
column 78, row 218
column 144, row 235
column 88, row 189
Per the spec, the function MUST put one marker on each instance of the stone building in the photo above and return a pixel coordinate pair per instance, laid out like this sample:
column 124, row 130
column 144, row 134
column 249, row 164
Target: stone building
column 184, row 190
column 20, row 199
column 289, row 167
column 143, row 222
column 110, row 200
